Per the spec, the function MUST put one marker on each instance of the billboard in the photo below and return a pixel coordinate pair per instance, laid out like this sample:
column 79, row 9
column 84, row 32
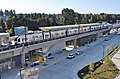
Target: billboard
column 30, row 73
column 22, row 30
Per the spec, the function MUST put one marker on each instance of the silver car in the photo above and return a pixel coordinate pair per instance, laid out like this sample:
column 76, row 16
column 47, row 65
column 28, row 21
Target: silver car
column 70, row 56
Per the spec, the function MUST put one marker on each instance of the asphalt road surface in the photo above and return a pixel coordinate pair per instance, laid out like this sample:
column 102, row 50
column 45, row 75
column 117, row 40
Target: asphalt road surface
column 68, row 68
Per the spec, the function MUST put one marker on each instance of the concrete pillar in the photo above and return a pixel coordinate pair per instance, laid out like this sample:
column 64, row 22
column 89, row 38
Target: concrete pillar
column 22, row 60
column 98, row 35
column 11, row 62
column 46, row 49
column 75, row 46
column 66, row 32
column 43, row 35
column 90, row 28
column 0, row 41
column 50, row 34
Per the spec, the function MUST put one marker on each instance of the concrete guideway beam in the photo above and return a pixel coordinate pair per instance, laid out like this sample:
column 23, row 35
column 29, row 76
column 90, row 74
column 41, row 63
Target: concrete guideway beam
column 22, row 60
column 75, row 45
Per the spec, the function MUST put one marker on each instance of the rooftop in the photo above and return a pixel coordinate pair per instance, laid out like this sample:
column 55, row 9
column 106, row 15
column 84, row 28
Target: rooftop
column 67, row 26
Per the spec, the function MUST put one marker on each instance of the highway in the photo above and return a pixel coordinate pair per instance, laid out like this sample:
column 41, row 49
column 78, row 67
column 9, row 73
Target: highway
column 68, row 68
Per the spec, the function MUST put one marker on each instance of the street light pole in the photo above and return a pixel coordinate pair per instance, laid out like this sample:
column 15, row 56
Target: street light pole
column 103, row 51
column 20, row 73
column 118, row 40
column 0, row 71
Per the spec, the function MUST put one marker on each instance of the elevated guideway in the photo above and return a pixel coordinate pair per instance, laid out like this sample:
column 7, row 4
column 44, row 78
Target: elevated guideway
column 47, row 46
column 17, row 54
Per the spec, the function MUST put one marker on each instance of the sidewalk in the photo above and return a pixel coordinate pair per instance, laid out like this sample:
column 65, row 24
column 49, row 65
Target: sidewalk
column 116, row 60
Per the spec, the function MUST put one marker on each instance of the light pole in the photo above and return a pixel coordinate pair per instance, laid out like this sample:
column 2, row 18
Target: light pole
column 118, row 40
column 103, row 51
column 0, row 71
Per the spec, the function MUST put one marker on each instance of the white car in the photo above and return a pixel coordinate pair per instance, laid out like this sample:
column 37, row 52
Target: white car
column 70, row 56
column 69, row 48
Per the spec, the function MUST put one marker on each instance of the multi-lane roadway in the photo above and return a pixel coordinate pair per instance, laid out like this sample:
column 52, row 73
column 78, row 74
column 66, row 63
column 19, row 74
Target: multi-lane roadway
column 68, row 68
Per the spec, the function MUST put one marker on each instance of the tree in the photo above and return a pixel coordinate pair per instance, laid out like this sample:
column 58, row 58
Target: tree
column 69, row 16
column 14, row 13
column 11, row 13
column 9, row 31
column 6, row 13
column 1, row 13
column 3, row 25
column 107, row 51
column 112, row 46
column 108, row 61
column 91, row 66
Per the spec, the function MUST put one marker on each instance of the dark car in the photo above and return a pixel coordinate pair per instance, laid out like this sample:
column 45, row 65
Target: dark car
column 79, row 52
column 106, row 39
column 50, row 56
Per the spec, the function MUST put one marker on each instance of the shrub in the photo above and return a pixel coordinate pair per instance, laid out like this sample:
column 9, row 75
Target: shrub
column 97, row 64
column 107, row 60
column 86, row 76
column 97, row 72
column 107, row 51
column 112, row 46
column 91, row 66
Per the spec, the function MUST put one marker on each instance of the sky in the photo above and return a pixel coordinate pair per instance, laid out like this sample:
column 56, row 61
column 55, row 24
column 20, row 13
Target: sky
column 56, row 6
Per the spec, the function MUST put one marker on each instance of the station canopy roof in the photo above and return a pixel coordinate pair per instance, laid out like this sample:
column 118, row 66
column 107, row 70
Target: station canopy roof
column 68, row 26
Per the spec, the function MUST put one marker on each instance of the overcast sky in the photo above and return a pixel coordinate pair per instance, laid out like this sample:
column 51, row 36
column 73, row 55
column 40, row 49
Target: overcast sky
column 56, row 6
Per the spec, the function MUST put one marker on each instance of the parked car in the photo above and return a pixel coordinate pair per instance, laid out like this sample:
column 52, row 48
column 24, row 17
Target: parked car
column 79, row 52
column 70, row 56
